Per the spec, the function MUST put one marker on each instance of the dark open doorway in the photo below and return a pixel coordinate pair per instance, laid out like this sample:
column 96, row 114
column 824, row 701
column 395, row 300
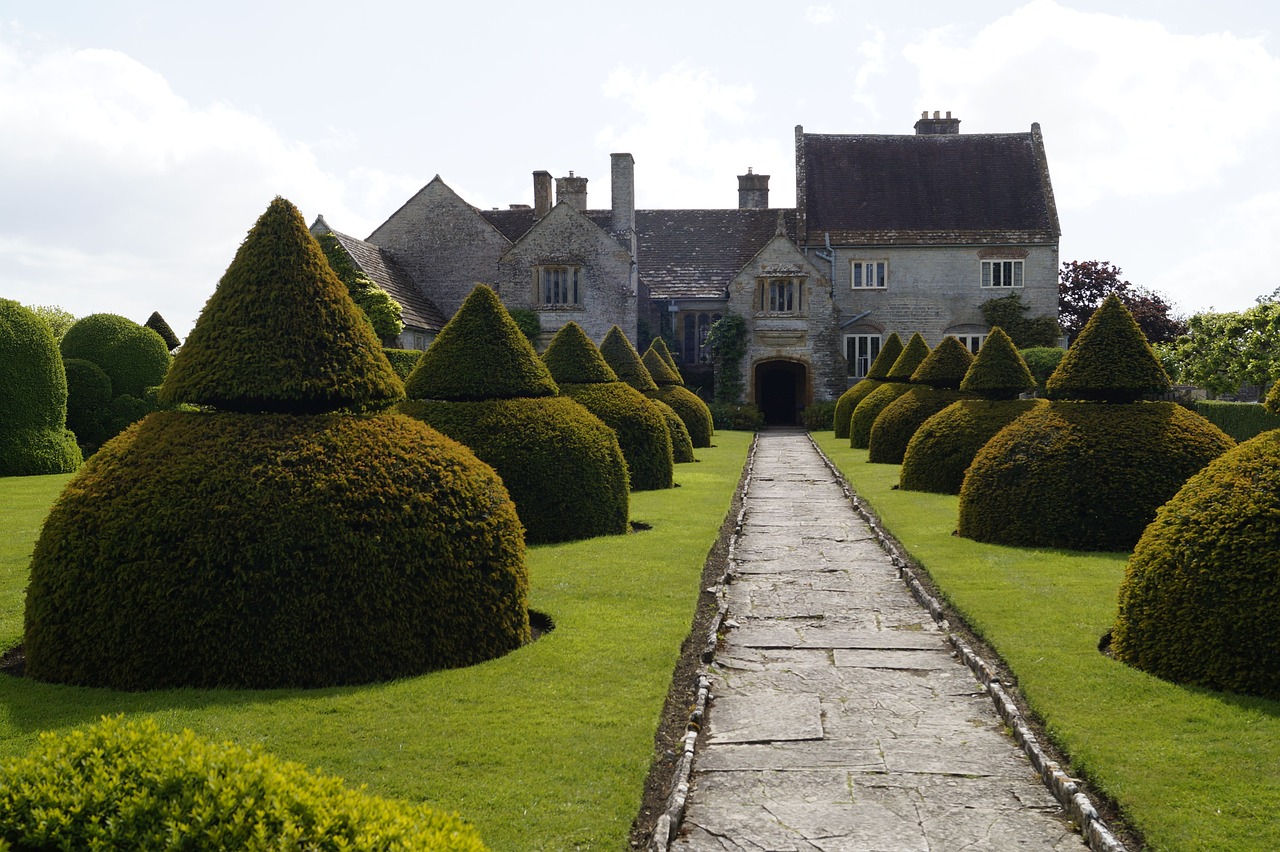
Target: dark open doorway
column 781, row 389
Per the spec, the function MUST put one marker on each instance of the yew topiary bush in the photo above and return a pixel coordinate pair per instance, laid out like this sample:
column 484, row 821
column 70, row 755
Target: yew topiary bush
column 693, row 411
column 88, row 402
column 895, row 385
column 157, row 323
column 933, row 387
column 681, row 443
column 848, row 401
column 34, row 439
column 1110, row 361
column 944, row 446
column 625, row 362
column 134, row 356
column 128, row 785
column 1200, row 599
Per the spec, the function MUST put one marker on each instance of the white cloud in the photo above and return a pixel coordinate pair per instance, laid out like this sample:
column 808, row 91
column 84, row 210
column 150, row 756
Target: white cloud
column 874, row 64
column 819, row 14
column 1235, row 259
column 689, row 130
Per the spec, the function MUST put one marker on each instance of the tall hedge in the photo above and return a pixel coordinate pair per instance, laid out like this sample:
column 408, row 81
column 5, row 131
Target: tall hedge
column 1042, row 361
column 848, row 401
column 125, row 784
column 944, row 446
column 403, row 360
column 1110, row 360
column 1200, row 599
column 34, row 438
column 1240, row 420
column 89, row 399
column 583, row 375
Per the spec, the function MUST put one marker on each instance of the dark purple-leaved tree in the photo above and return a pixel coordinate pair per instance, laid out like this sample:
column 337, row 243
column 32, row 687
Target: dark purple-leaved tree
column 1082, row 285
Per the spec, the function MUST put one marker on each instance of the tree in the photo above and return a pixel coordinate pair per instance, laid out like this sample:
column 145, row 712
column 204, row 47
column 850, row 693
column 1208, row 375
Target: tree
column 58, row 319
column 1082, row 285
column 1222, row 351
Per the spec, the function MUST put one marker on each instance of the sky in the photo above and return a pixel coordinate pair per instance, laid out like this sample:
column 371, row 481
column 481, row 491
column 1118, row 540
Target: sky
column 141, row 139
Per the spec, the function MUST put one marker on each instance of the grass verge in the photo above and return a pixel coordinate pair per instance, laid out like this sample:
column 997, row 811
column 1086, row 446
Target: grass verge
column 1191, row 769
column 544, row 749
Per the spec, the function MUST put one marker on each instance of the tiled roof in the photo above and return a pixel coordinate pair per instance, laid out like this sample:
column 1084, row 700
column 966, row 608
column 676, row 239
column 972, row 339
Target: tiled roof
column 927, row 184
column 696, row 253
column 512, row 224
column 417, row 311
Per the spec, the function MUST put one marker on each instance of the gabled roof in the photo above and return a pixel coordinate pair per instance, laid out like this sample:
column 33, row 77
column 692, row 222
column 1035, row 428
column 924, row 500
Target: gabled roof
column 926, row 188
column 512, row 224
column 696, row 253
column 417, row 311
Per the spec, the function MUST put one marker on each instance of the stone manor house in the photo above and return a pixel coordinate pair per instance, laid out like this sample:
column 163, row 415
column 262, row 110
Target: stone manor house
column 890, row 233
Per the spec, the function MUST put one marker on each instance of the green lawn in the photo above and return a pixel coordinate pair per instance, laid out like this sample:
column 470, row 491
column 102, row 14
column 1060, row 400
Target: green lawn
column 1190, row 768
column 544, row 749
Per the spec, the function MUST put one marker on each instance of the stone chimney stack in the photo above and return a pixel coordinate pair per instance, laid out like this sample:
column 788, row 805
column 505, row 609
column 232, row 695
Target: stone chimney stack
column 623, row 198
column 753, row 191
column 573, row 191
column 936, row 126
column 541, row 193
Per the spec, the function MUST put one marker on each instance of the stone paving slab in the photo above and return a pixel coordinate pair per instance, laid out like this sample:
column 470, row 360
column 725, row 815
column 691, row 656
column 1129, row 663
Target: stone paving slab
column 840, row 720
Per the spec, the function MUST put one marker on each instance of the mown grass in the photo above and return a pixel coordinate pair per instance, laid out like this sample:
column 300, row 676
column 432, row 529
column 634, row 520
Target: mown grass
column 544, row 749
column 1191, row 769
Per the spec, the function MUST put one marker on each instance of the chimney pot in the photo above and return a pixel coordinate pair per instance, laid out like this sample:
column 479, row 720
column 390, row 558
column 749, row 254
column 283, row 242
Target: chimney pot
column 623, row 197
column 935, row 115
column 541, row 193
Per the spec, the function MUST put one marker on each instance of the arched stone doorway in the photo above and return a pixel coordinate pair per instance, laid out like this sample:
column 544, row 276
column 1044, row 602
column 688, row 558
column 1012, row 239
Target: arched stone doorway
column 782, row 389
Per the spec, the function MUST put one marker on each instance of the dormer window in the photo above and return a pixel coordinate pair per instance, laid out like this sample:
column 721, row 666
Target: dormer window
column 558, row 286
column 781, row 296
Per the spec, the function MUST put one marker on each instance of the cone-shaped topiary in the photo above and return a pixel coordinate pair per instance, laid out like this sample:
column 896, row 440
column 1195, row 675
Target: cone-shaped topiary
column 693, row 411
column 660, row 346
column 1110, row 361
column 281, row 333
column 664, row 375
column 620, row 355
column 274, row 549
column 156, row 323
column 135, row 357
column 681, row 443
column 582, row 374
column 999, row 371
column 942, row 449
column 1085, row 476
column 34, row 438
column 945, row 367
column 934, row 387
column 1200, row 599
column 895, row 385
column 125, row 784
column 848, row 401
column 480, row 354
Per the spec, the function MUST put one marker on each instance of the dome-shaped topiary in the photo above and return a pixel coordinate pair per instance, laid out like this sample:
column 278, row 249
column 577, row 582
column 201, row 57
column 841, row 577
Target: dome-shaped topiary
column 125, row 784
column 34, row 439
column 893, row 429
column 943, row 447
column 1110, row 361
column 1200, row 600
column 480, row 354
column 998, row 372
column 561, row 464
column 135, row 357
column 281, row 333
column 945, row 367
column 1085, row 476
column 681, row 443
column 270, row 550
column 848, row 401
column 895, row 385
column 622, row 357
column 156, row 323
column 582, row 375
column 88, row 402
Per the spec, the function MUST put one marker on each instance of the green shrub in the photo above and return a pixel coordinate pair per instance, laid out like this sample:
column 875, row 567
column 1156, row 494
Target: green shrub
column 864, row 416
column 848, row 401
column 280, row 333
column 1110, row 361
column 572, row 357
column 529, row 323
column 1272, row 402
column 34, row 439
column 156, row 323
column 998, row 372
column 1200, row 600
column 681, row 443
column 88, row 403
column 945, row 367
column 660, row 346
column 135, row 357
column 274, row 550
column 1007, row 312
column 622, row 357
column 740, row 418
column 943, row 447
column 561, row 464
column 664, row 374
column 403, row 360
column 1240, row 420
column 692, row 410
column 893, row 429
column 128, row 785
column 1042, row 361
column 1083, row 476
column 819, row 416
column 913, row 355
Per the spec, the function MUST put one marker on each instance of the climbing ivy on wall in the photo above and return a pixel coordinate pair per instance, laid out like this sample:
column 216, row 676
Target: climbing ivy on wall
column 728, row 341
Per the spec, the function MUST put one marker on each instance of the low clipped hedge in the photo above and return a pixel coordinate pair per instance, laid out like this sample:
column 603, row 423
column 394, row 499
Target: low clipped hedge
column 943, row 447
column 640, row 426
column 1200, row 600
column 123, row 784
column 740, row 418
column 864, row 416
column 693, row 411
column 893, row 429
column 403, row 360
column 1083, row 476
column 819, row 416
column 561, row 464
column 34, row 439
column 681, row 443
column 134, row 356
column 274, row 550
column 1240, row 420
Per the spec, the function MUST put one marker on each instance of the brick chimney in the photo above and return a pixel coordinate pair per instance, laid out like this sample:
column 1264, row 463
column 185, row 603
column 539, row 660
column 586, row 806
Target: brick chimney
column 541, row 193
column 573, row 191
column 936, row 126
column 753, row 191
column 623, row 197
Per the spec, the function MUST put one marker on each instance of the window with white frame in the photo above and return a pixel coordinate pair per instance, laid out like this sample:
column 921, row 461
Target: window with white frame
column 1001, row 273
column 972, row 342
column 860, row 350
column 559, row 286
column 781, row 296
column 869, row 274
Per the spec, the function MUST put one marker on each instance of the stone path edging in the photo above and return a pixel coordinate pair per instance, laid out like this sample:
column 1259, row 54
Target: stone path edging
column 1063, row 787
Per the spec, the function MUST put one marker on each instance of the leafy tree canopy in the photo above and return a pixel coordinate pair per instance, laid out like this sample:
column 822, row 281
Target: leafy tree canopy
column 1082, row 285
column 58, row 319
column 1222, row 351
